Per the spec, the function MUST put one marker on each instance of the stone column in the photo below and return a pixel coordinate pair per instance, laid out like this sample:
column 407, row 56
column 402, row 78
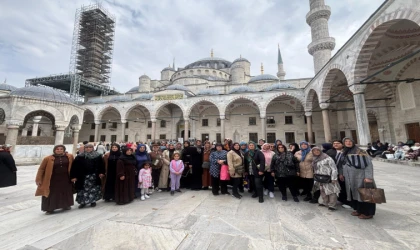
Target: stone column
column 24, row 132
column 309, row 126
column 59, row 135
column 36, row 121
column 326, row 121
column 75, row 140
column 186, row 128
column 361, row 118
column 263, row 127
column 153, row 129
column 12, row 135
column 123, row 122
column 97, row 124
column 222, row 128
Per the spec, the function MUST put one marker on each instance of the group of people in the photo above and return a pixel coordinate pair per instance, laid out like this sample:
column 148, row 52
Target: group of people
column 402, row 151
column 322, row 175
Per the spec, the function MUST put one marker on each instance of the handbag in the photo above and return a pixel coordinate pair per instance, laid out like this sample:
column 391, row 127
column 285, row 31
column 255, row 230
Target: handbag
column 224, row 173
column 322, row 178
column 372, row 195
column 206, row 165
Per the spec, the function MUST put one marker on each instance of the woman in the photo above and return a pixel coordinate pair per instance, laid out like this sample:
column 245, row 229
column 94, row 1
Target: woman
column 53, row 181
column 285, row 167
column 293, row 147
column 235, row 161
column 157, row 163
column 7, row 168
column 206, row 166
column 355, row 167
column 110, row 162
column 254, row 168
column 191, row 168
column 86, row 171
column 268, row 178
column 306, row 172
column 324, row 165
column 217, row 159
column 141, row 157
column 164, row 174
column 126, row 173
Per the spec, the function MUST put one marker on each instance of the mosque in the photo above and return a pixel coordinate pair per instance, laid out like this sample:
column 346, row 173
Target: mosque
column 368, row 90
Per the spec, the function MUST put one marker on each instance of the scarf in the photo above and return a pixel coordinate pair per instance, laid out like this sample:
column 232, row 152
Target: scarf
column 138, row 150
column 268, row 155
column 114, row 155
column 318, row 158
column 354, row 156
column 304, row 151
column 92, row 155
column 251, row 153
column 171, row 152
column 130, row 159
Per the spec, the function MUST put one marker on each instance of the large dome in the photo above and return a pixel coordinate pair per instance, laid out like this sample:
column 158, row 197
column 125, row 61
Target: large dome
column 42, row 93
column 211, row 62
column 264, row 77
column 7, row 87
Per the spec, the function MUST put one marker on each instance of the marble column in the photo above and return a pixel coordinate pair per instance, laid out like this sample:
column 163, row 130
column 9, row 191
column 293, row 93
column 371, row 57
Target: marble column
column 153, row 129
column 222, row 128
column 123, row 123
column 97, row 124
column 12, row 135
column 75, row 140
column 35, row 126
column 24, row 132
column 309, row 127
column 361, row 118
column 59, row 135
column 186, row 128
column 326, row 122
column 263, row 128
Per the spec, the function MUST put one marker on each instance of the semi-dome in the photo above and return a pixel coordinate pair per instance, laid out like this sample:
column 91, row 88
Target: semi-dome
column 120, row 98
column 97, row 101
column 42, row 93
column 280, row 85
column 143, row 97
column 133, row 89
column 240, row 59
column 7, row 87
column 208, row 92
column 241, row 89
column 177, row 87
column 264, row 77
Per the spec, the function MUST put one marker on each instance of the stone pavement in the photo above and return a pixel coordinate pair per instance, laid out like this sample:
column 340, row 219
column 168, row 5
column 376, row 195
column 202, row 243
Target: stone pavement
column 198, row 220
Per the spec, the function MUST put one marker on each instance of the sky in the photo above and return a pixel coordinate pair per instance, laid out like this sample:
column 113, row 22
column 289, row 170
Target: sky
column 36, row 36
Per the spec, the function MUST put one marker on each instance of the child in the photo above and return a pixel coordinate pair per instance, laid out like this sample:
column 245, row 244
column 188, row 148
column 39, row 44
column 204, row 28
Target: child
column 145, row 180
column 176, row 168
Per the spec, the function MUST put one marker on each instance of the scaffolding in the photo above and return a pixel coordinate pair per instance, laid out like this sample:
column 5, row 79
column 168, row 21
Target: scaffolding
column 92, row 46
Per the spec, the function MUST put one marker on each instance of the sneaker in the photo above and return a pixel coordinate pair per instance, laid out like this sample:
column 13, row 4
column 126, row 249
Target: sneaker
column 227, row 193
column 346, row 206
column 295, row 199
column 271, row 195
column 284, row 198
column 146, row 196
column 172, row 192
column 158, row 190
column 142, row 198
column 265, row 191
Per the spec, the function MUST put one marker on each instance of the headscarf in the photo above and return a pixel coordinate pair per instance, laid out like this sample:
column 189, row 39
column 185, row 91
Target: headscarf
column 326, row 146
column 304, row 151
column 244, row 151
column 278, row 140
column 318, row 158
column 251, row 153
column 59, row 146
column 296, row 148
column 138, row 150
column 171, row 151
column 115, row 154
column 268, row 154
column 131, row 159
column 238, row 152
column 92, row 155
column 346, row 150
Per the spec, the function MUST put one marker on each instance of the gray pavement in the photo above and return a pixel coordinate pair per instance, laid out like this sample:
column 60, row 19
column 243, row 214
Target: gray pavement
column 198, row 220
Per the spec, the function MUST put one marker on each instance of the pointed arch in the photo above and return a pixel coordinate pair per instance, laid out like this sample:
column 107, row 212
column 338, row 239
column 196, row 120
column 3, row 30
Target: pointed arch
column 258, row 104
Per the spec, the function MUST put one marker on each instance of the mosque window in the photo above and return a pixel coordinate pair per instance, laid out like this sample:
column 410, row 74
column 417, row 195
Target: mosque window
column 271, row 137
column 91, row 138
column 218, row 137
column 163, row 124
column 253, row 137
column 205, row 122
column 270, row 120
column 92, row 126
column 162, row 137
column 290, row 137
column 252, row 121
column 218, row 122
column 113, row 138
column 126, row 125
column 104, row 125
column 288, row 119
column 103, row 138
column 125, row 137
column 114, row 125
column 149, row 137
column 149, row 124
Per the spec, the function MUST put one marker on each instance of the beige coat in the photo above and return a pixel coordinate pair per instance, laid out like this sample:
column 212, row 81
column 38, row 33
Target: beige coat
column 44, row 174
column 164, row 173
column 235, row 163
column 306, row 170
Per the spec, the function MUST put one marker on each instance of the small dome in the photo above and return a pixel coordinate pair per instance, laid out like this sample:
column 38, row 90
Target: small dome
column 241, row 59
column 264, row 77
column 177, row 87
column 242, row 89
column 222, row 63
column 208, row 92
column 143, row 97
column 97, row 101
column 7, row 87
column 144, row 76
column 120, row 99
column 279, row 85
column 133, row 90
column 42, row 93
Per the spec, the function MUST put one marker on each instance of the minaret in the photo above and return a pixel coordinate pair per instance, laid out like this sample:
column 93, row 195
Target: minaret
column 322, row 44
column 280, row 72
column 262, row 69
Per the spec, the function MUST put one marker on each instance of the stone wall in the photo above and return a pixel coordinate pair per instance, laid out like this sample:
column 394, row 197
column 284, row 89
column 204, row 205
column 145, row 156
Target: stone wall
column 33, row 154
column 35, row 140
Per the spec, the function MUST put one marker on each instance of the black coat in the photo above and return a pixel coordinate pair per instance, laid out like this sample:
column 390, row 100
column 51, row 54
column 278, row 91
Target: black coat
column 258, row 159
column 190, row 156
column 83, row 166
column 7, row 169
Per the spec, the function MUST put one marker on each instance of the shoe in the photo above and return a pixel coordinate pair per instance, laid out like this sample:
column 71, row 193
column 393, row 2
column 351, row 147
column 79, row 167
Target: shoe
column 265, row 191
column 241, row 190
column 142, row 198
column 261, row 200
column 49, row 212
column 82, row 205
column 321, row 205
column 215, row 194
column 295, row 199
column 346, row 206
column 332, row 208
column 284, row 198
column 205, row 188
column 237, row 196
column 158, row 190
column 172, row 192
column 303, row 193
column 355, row 213
column 313, row 201
column 250, row 191
column 146, row 196
column 67, row 208
column 227, row 193
column 271, row 195
column 107, row 200
column 365, row 217
column 255, row 195
column 307, row 198
column 93, row 204
column 178, row 190
column 240, row 196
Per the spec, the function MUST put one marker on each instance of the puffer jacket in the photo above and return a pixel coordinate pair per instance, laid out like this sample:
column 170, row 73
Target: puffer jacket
column 306, row 170
column 236, row 164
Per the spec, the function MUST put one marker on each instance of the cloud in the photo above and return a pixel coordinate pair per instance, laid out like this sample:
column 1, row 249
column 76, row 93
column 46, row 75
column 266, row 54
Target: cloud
column 36, row 37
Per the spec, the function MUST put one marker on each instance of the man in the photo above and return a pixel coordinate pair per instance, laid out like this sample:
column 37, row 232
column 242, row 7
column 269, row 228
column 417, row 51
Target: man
column 335, row 153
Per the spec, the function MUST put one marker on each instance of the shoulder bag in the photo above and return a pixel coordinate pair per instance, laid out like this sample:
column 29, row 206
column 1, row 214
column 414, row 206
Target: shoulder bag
column 322, row 178
column 372, row 195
